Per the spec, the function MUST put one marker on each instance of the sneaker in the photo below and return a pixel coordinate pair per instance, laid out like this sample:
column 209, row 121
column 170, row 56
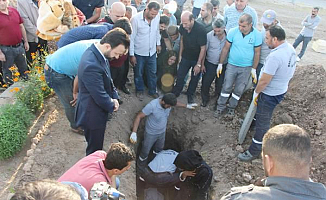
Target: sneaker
column 154, row 96
column 230, row 112
column 140, row 95
column 246, row 156
column 298, row 59
column 190, row 99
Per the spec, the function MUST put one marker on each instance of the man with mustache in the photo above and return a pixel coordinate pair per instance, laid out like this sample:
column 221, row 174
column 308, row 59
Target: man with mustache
column 97, row 95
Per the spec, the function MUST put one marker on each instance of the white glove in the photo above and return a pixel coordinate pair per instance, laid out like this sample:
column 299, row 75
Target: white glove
column 192, row 106
column 255, row 97
column 133, row 137
column 254, row 75
column 219, row 70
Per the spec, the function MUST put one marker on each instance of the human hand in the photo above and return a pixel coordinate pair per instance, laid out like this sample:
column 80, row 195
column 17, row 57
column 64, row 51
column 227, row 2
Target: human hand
column 219, row 70
column 254, row 75
column 133, row 137
column 203, row 69
column 26, row 46
column 196, row 70
column 74, row 101
column 185, row 174
column 116, row 105
column 255, row 97
column 2, row 56
column 191, row 106
column 133, row 61
column 158, row 49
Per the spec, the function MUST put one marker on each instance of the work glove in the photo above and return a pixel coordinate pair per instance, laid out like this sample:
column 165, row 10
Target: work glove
column 219, row 70
column 255, row 97
column 133, row 137
column 192, row 106
column 254, row 75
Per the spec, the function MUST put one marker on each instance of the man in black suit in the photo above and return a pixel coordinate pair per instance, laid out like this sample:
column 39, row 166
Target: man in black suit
column 97, row 95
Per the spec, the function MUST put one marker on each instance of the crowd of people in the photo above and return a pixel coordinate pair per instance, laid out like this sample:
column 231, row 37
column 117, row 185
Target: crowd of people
column 165, row 46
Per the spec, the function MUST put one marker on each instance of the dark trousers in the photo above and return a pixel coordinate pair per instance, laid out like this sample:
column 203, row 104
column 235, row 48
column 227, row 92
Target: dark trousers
column 265, row 108
column 125, row 72
column 183, row 70
column 14, row 55
column 34, row 47
column 305, row 41
column 63, row 86
column 208, row 78
column 117, row 75
column 94, row 138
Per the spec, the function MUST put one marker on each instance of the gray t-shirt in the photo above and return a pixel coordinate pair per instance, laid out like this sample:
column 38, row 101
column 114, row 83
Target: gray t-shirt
column 163, row 161
column 214, row 48
column 281, row 64
column 157, row 117
column 265, row 50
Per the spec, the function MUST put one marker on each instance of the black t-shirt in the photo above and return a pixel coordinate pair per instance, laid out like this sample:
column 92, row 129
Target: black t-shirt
column 87, row 7
column 193, row 41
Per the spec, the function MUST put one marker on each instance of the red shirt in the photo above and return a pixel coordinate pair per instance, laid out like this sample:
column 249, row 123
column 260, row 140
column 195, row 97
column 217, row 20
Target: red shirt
column 88, row 171
column 118, row 62
column 10, row 32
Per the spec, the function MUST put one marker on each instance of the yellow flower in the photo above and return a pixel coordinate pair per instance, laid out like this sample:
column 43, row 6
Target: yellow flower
column 12, row 68
column 26, row 72
column 43, row 88
column 15, row 79
column 17, row 74
column 42, row 78
column 16, row 89
column 4, row 85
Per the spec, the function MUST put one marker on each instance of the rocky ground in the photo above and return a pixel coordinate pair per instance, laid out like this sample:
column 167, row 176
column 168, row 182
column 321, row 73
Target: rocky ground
column 52, row 148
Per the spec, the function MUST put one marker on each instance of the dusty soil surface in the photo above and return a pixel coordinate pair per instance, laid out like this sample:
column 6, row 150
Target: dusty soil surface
column 305, row 105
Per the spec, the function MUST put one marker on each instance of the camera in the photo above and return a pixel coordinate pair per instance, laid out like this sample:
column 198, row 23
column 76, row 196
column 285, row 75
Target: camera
column 103, row 191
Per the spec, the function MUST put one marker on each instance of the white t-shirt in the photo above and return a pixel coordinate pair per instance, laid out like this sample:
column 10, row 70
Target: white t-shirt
column 163, row 162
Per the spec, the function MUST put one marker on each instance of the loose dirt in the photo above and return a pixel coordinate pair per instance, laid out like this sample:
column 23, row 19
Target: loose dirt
column 304, row 104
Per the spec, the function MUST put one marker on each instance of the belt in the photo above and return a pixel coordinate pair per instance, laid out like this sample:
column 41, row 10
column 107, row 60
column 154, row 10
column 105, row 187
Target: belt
column 14, row 46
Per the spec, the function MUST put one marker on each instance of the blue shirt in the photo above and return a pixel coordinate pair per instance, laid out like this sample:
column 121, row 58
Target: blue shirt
column 232, row 15
column 157, row 117
column 88, row 6
column 281, row 64
column 92, row 31
column 66, row 59
column 242, row 49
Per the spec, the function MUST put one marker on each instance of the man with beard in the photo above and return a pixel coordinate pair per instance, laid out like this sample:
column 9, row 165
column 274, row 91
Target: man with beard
column 286, row 160
column 206, row 18
column 144, row 44
column 97, row 95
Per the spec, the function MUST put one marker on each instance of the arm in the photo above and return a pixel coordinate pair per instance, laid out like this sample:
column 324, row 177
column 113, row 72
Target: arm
column 225, row 52
column 2, row 56
column 29, row 26
column 26, row 45
column 256, row 57
column 168, row 43
column 134, row 27
column 181, row 48
column 197, row 68
column 95, row 17
column 263, row 82
column 137, row 121
column 313, row 25
column 74, row 92
column 305, row 21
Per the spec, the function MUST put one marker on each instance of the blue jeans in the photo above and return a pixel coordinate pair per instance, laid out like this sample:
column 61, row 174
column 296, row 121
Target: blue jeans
column 208, row 78
column 305, row 41
column 147, row 63
column 183, row 70
column 156, row 141
column 62, row 85
column 265, row 108
column 14, row 55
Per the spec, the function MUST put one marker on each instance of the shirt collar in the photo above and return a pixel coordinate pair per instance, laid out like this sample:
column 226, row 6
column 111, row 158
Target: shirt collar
column 280, row 46
column 106, row 60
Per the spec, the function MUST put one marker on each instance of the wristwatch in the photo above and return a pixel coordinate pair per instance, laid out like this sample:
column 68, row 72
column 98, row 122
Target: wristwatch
column 199, row 65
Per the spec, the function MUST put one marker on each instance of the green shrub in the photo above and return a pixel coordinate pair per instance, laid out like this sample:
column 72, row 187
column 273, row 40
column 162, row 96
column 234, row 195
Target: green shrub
column 31, row 96
column 14, row 122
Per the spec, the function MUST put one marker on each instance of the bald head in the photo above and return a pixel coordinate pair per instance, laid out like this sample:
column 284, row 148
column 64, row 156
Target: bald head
column 117, row 11
column 187, row 20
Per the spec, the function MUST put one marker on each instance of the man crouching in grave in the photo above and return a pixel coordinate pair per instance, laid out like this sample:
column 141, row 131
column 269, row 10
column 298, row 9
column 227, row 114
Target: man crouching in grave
column 173, row 175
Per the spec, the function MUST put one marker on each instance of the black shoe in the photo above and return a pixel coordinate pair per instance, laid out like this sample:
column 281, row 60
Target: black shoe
column 125, row 90
column 120, row 101
column 204, row 103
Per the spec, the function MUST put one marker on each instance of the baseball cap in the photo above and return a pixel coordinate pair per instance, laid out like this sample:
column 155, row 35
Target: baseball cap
column 268, row 17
